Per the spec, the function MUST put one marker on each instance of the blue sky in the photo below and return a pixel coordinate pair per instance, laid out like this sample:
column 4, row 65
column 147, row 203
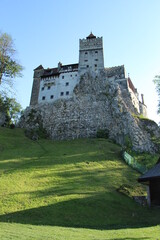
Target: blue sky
column 46, row 32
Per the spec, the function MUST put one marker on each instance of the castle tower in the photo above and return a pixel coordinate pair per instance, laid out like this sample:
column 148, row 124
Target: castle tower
column 90, row 54
column 36, row 85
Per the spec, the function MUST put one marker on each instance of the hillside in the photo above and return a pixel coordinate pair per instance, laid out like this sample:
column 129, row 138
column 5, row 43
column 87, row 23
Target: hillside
column 70, row 184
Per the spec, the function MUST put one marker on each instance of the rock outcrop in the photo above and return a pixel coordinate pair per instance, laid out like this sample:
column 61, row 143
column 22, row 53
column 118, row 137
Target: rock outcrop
column 97, row 104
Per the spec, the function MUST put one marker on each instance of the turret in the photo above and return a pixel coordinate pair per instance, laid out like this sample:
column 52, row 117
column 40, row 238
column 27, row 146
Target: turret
column 91, row 54
column 36, row 84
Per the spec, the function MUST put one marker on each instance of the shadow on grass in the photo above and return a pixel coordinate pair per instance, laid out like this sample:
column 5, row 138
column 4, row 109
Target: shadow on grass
column 99, row 211
column 93, row 202
column 37, row 156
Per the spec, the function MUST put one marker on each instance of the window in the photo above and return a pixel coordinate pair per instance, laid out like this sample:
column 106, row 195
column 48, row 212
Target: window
column 67, row 83
column 87, row 66
column 71, row 75
column 62, row 77
column 76, row 75
column 96, row 60
column 43, row 98
column 49, row 87
column 51, row 97
column 42, row 88
column 67, row 93
column 86, row 60
column 96, row 51
column 86, row 53
column 95, row 65
column 62, row 93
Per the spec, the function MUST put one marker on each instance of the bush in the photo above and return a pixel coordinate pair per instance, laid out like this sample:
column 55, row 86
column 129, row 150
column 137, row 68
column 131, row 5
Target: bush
column 36, row 133
column 102, row 133
column 12, row 126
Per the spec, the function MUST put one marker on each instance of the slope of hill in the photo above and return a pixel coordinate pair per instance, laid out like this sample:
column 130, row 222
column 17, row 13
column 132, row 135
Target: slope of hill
column 69, row 184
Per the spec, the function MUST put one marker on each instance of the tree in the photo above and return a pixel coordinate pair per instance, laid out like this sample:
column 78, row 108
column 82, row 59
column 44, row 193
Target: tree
column 157, row 84
column 11, row 109
column 9, row 66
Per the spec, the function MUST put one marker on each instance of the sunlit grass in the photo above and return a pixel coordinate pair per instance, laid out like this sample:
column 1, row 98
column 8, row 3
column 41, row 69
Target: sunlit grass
column 25, row 232
column 70, row 184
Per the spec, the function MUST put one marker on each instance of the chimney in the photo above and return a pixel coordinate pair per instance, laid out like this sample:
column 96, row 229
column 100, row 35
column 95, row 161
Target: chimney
column 59, row 66
column 142, row 96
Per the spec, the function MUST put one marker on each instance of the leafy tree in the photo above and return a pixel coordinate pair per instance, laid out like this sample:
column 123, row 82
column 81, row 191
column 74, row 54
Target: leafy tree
column 11, row 108
column 157, row 84
column 9, row 66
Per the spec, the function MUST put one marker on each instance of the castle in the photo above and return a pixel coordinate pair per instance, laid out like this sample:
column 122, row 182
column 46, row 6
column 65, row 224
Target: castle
column 52, row 84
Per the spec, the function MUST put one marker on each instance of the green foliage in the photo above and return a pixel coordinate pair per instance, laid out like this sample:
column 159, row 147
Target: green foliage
column 9, row 66
column 145, row 159
column 38, row 131
column 11, row 108
column 127, row 142
column 103, row 133
column 140, row 116
column 131, row 161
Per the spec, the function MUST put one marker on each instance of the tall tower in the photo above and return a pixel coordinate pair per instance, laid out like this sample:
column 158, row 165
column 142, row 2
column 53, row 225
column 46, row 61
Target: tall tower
column 91, row 54
column 36, row 84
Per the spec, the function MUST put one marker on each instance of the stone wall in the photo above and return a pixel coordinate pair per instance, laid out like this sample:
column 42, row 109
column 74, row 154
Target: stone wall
column 96, row 104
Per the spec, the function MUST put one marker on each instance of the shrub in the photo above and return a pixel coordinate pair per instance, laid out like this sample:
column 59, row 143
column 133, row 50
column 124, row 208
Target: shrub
column 102, row 133
column 12, row 126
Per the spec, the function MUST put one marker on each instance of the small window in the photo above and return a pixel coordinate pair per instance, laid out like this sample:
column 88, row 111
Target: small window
column 62, row 93
column 96, row 60
column 49, row 87
column 86, row 60
column 51, row 97
column 95, row 65
column 86, row 53
column 67, row 93
column 42, row 88
column 71, row 75
column 62, row 77
column 67, row 83
column 87, row 66
column 96, row 51
column 76, row 75
column 43, row 98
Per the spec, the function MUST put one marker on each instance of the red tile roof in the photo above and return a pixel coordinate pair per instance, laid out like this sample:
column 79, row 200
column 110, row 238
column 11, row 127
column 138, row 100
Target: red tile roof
column 39, row 67
column 55, row 71
column 91, row 36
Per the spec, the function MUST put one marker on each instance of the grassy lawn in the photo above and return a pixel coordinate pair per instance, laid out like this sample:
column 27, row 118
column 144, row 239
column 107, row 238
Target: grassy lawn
column 69, row 190
column 29, row 232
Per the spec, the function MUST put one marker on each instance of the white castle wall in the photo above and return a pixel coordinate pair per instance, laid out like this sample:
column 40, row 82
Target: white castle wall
column 58, row 87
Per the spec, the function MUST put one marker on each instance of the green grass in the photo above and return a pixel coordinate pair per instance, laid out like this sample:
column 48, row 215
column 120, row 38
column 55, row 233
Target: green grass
column 69, row 189
column 145, row 159
column 29, row 232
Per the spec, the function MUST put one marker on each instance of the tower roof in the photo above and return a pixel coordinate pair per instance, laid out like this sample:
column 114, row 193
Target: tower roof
column 91, row 36
column 39, row 67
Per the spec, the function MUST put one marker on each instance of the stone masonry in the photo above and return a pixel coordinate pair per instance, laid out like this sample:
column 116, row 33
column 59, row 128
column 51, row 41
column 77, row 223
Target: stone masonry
column 96, row 104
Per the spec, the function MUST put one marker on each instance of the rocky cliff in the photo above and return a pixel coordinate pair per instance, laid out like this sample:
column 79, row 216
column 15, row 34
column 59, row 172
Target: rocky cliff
column 97, row 104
